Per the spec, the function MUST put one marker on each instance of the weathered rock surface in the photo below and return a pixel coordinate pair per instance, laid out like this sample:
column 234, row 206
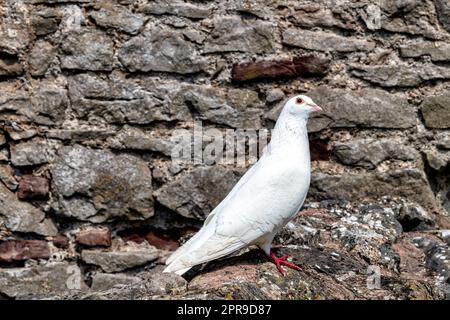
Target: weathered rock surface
column 23, row 217
column 363, row 108
column 41, row 56
column 9, row 65
column 324, row 41
column 158, row 49
column 438, row 51
column 368, row 153
column 46, row 280
column 95, row 185
column 232, row 34
column 87, row 50
column 177, row 8
column 351, row 186
column 115, row 261
column 436, row 111
column 438, row 160
column 195, row 193
column 443, row 12
column 121, row 101
column 315, row 14
column 97, row 97
column 31, row 153
column 7, row 177
column 107, row 281
column 118, row 18
column 400, row 76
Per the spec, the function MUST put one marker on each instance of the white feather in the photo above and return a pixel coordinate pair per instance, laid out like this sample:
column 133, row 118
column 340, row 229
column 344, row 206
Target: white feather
column 266, row 198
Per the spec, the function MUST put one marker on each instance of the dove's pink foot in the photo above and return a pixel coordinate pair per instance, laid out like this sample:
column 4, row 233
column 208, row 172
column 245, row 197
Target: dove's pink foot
column 282, row 262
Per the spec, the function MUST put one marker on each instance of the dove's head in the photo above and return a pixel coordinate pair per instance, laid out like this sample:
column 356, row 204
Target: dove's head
column 301, row 106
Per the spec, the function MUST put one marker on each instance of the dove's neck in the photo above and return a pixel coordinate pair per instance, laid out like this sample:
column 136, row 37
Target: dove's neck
column 290, row 133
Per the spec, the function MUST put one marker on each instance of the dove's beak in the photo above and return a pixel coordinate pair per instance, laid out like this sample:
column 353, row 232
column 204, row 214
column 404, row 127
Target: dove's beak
column 315, row 107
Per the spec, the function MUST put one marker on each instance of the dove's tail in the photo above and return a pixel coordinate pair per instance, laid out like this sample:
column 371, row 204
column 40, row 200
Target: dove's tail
column 205, row 246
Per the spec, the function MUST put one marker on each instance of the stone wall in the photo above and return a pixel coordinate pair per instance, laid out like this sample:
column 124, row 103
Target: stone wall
column 92, row 94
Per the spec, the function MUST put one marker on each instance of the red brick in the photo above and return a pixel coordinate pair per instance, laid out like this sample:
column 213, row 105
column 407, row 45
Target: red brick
column 298, row 66
column 94, row 237
column 17, row 250
column 33, row 187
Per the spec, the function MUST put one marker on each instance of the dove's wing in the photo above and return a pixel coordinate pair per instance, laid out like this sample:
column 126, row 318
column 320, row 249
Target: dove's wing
column 263, row 202
column 218, row 208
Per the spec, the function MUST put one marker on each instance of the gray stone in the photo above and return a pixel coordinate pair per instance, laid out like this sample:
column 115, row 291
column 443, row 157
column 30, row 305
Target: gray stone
column 316, row 14
column 55, row 1
column 368, row 153
column 13, row 102
column 10, row 65
column 87, row 49
column 274, row 95
column 398, row 6
column 49, row 103
column 32, row 153
column 4, row 155
column 41, row 57
column 177, row 8
column 443, row 12
column 324, row 41
column 88, row 134
column 195, row 193
column 370, row 108
column 149, row 285
column 46, row 104
column 257, row 8
column 23, row 217
column 232, row 34
column 161, row 49
column 96, row 185
column 443, row 140
column 410, row 17
column 410, row 183
column 13, row 36
column 437, row 50
column 238, row 108
column 118, row 18
column 106, row 281
column 400, row 75
column 2, row 139
column 437, row 160
column 159, row 283
column 116, row 261
column 413, row 217
column 45, row 20
column 436, row 111
column 20, row 132
column 121, row 101
column 7, row 177
column 45, row 280
column 130, row 138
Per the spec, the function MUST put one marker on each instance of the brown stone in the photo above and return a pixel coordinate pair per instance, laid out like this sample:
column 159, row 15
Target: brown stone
column 161, row 240
column 33, row 187
column 94, row 237
column 61, row 241
column 298, row 66
column 17, row 250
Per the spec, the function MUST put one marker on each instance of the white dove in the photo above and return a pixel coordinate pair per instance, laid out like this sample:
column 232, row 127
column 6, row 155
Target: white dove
column 263, row 201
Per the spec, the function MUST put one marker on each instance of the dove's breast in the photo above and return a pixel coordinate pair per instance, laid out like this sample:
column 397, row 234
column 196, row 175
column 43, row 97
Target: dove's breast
column 268, row 200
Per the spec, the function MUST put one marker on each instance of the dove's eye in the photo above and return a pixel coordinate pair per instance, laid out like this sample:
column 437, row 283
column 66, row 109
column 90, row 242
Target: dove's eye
column 299, row 100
